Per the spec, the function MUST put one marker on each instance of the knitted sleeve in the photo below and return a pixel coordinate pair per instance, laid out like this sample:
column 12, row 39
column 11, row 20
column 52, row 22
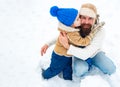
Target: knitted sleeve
column 51, row 42
column 90, row 50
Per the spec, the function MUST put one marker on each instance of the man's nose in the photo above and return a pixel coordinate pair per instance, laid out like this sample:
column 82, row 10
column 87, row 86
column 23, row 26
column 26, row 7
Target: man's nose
column 86, row 21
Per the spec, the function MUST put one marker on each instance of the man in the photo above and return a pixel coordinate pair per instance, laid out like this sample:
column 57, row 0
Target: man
column 91, row 55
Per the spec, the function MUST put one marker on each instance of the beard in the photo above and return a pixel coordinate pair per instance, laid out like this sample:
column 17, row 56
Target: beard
column 85, row 29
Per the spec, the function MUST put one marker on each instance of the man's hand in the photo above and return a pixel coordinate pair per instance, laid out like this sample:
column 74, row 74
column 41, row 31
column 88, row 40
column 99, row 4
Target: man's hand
column 43, row 49
column 64, row 40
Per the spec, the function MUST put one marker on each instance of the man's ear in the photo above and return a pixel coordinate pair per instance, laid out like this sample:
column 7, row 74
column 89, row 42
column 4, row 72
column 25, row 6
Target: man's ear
column 97, row 19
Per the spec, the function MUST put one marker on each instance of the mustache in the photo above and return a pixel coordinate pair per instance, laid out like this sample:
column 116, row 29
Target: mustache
column 85, row 29
column 86, row 25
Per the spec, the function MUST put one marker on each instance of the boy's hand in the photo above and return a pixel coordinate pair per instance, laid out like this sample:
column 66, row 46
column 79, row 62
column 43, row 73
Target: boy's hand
column 64, row 40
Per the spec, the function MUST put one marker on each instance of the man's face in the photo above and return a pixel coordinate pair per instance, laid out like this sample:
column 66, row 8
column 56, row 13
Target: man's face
column 86, row 24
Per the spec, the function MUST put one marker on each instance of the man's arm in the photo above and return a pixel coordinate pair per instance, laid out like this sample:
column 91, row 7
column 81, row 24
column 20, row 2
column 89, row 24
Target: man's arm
column 51, row 42
column 48, row 44
column 90, row 50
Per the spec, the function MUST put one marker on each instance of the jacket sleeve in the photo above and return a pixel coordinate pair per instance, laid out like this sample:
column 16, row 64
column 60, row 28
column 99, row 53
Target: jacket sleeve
column 77, row 40
column 90, row 50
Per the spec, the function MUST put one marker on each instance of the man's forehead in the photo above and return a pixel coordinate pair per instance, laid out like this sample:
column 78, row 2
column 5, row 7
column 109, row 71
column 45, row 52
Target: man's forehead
column 86, row 16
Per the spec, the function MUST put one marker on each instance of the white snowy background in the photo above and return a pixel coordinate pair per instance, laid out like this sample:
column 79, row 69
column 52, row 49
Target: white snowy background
column 25, row 25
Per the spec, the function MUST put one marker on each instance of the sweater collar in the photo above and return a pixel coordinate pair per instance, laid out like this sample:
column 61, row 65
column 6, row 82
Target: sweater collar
column 67, row 28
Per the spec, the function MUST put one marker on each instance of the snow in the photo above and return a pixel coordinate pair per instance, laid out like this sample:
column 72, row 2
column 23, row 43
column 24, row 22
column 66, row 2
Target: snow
column 25, row 25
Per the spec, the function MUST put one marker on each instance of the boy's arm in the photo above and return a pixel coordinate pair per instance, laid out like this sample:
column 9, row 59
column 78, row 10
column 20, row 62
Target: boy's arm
column 77, row 40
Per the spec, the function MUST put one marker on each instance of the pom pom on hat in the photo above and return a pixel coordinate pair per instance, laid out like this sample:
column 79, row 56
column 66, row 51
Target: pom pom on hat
column 66, row 16
column 53, row 10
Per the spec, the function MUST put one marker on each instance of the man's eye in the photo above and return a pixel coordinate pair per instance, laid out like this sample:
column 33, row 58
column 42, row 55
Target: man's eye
column 91, row 18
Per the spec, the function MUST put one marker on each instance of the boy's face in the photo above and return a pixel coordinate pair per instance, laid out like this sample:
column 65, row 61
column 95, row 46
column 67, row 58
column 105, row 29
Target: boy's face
column 77, row 22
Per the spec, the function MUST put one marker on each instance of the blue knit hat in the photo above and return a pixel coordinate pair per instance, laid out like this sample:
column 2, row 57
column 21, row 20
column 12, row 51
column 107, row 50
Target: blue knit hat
column 66, row 16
